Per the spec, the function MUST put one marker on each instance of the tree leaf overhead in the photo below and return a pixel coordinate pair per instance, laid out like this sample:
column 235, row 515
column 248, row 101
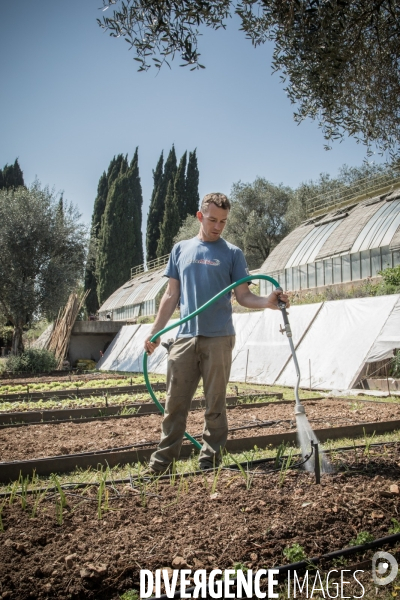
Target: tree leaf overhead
column 338, row 59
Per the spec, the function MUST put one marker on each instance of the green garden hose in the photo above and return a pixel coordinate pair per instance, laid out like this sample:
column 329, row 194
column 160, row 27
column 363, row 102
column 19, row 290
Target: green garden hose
column 194, row 314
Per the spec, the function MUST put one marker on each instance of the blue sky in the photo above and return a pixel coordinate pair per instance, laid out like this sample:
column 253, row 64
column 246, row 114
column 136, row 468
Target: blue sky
column 71, row 98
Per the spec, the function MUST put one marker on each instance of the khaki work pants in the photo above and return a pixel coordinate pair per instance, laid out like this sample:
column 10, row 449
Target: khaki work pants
column 189, row 360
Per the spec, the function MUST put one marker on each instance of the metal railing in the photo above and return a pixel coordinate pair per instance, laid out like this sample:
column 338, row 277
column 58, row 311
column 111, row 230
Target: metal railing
column 368, row 187
column 152, row 265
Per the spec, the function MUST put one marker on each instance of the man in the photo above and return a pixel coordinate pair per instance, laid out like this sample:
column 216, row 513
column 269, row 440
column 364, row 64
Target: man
column 198, row 269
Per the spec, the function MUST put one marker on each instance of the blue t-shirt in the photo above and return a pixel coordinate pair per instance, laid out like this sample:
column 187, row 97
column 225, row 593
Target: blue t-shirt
column 204, row 269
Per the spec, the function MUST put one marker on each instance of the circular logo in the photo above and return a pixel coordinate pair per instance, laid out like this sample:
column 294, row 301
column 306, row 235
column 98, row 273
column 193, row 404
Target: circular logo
column 384, row 568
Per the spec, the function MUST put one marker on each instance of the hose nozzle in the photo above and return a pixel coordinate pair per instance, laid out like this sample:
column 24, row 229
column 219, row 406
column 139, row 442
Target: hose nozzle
column 299, row 409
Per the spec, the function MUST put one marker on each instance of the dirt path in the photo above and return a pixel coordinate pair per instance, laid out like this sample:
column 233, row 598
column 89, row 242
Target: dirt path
column 67, row 438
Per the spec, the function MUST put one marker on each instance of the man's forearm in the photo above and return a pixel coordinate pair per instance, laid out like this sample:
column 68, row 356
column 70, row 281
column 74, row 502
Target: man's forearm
column 250, row 300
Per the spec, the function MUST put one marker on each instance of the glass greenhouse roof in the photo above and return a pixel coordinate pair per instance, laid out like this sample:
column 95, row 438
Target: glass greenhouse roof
column 380, row 228
column 309, row 247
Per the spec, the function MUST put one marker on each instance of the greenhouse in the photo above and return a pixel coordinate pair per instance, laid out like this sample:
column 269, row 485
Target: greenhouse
column 137, row 297
column 347, row 244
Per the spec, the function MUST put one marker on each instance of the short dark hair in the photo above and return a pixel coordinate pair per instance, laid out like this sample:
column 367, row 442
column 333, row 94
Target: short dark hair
column 216, row 198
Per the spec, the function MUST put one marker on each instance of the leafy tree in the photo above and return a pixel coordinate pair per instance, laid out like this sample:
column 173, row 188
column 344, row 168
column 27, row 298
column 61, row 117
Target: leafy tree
column 180, row 198
column 156, row 210
column 189, row 229
column 120, row 238
column 192, row 185
column 171, row 223
column 330, row 188
column 338, row 58
column 11, row 176
column 257, row 219
column 42, row 256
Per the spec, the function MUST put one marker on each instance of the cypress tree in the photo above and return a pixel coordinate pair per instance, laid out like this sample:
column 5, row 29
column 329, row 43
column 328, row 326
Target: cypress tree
column 120, row 239
column 137, row 198
column 18, row 175
column 169, row 175
column 169, row 171
column 180, row 189
column 124, row 164
column 114, row 169
column 92, row 303
column 12, row 176
column 155, row 212
column 118, row 165
column 192, row 185
column 157, row 206
column 171, row 223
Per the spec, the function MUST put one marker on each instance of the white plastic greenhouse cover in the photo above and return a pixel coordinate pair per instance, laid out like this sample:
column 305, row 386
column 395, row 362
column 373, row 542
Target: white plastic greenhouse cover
column 109, row 361
column 264, row 353
column 389, row 337
column 244, row 324
column 126, row 351
column 338, row 342
column 335, row 339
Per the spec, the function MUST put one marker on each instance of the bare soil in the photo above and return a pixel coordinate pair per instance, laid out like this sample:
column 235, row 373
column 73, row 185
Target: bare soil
column 34, row 441
column 87, row 557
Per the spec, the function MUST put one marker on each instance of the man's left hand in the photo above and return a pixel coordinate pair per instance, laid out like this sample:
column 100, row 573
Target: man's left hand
column 275, row 297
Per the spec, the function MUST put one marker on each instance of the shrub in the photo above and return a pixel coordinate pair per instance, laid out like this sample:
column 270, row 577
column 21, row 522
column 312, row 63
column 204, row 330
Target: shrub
column 391, row 276
column 395, row 370
column 146, row 319
column 32, row 361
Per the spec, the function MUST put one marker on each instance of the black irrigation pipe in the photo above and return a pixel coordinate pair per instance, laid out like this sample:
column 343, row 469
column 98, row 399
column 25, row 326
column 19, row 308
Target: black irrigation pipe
column 389, row 540
column 143, row 408
column 80, row 392
column 7, row 375
column 125, row 416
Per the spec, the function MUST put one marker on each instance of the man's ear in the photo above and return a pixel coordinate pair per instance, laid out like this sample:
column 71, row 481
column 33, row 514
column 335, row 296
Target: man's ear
column 199, row 216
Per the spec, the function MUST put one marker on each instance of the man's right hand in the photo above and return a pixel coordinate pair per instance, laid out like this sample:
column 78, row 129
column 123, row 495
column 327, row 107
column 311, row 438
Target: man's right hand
column 151, row 346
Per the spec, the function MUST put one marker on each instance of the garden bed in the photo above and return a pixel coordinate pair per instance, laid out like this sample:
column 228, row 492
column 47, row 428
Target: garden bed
column 42, row 440
column 40, row 378
column 95, row 546
column 98, row 387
